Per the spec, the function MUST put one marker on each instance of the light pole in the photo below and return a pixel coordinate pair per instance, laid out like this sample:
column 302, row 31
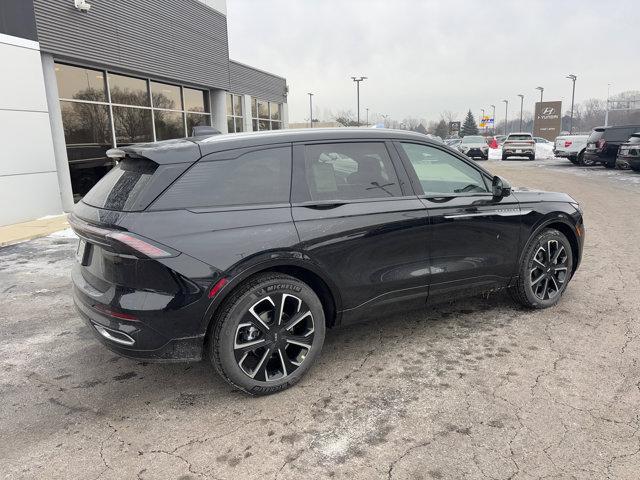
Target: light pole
column 541, row 92
column 573, row 78
column 494, row 118
column 481, row 117
column 506, row 112
column 521, row 104
column 358, row 80
column 385, row 120
column 606, row 114
column 310, row 109
column 367, row 124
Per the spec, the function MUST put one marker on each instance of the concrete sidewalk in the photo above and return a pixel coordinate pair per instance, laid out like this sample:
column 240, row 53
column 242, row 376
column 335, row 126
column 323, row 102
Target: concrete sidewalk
column 41, row 227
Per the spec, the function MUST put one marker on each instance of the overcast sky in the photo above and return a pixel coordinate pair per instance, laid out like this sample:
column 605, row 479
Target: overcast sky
column 423, row 57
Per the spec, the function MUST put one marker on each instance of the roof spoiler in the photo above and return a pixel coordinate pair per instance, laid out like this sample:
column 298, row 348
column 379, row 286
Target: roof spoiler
column 162, row 153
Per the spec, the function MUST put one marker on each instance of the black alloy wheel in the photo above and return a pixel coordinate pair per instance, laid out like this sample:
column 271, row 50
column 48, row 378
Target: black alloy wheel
column 545, row 270
column 268, row 333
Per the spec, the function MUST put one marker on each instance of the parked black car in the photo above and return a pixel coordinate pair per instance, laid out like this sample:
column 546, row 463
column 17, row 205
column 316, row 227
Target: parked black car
column 629, row 153
column 603, row 143
column 244, row 248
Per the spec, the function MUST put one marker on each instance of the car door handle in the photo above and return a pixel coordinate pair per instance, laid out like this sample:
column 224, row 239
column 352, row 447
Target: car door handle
column 323, row 205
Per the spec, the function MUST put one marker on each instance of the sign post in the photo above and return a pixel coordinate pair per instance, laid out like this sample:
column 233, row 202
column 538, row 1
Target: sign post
column 454, row 129
column 548, row 120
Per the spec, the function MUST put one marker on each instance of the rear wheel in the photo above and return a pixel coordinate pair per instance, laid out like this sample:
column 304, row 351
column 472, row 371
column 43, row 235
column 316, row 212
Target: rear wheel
column 545, row 270
column 610, row 164
column 574, row 160
column 532, row 157
column 504, row 157
column 267, row 334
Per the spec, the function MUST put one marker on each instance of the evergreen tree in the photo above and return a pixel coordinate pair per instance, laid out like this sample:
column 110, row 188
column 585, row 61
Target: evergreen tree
column 442, row 129
column 469, row 127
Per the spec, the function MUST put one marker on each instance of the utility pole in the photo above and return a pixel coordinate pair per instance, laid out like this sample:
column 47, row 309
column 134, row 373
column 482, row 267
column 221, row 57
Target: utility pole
column 606, row 115
column 521, row 104
column 573, row 94
column 481, row 117
column 494, row 118
column 310, row 110
column 541, row 92
column 358, row 80
column 384, row 122
column 506, row 112
column 367, row 117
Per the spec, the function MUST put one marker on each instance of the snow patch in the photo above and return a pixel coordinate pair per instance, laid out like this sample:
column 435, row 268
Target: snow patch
column 66, row 233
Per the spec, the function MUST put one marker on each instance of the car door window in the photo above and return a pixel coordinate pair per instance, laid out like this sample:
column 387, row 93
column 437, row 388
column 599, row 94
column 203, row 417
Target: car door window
column 442, row 173
column 350, row 171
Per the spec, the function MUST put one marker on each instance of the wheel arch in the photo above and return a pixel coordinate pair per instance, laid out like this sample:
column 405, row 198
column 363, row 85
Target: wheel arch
column 305, row 271
column 564, row 226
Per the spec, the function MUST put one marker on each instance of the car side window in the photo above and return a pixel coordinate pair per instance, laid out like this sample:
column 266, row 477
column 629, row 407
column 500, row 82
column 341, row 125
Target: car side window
column 350, row 171
column 258, row 177
column 442, row 173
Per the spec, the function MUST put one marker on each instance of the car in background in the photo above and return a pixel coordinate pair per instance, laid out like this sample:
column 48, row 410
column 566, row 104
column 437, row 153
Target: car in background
column 234, row 247
column 474, row 146
column 541, row 140
column 629, row 153
column 571, row 147
column 519, row 144
column 604, row 142
column 492, row 142
column 500, row 139
column 453, row 142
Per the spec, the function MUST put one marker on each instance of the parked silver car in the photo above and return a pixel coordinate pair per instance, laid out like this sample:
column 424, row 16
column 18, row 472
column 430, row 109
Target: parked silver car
column 519, row 144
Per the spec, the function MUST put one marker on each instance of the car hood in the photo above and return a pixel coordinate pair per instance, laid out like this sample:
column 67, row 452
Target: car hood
column 526, row 195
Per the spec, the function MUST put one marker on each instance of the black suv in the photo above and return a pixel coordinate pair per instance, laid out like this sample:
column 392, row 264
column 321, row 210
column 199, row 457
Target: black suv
column 629, row 153
column 244, row 248
column 603, row 143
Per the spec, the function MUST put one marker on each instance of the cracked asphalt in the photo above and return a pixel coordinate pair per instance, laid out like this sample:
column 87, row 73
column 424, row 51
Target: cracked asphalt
column 474, row 389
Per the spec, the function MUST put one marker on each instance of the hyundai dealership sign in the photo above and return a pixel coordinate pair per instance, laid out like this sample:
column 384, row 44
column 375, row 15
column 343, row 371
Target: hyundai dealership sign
column 548, row 120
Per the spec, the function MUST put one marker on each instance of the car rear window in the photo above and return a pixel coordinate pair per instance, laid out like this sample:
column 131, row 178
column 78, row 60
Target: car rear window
column 258, row 177
column 119, row 189
column 520, row 137
column 596, row 135
column 634, row 139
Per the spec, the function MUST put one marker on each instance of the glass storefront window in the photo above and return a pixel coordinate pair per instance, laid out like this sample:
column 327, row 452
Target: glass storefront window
column 266, row 115
column 237, row 105
column 87, row 130
column 235, row 119
column 168, row 124
column 166, row 96
column 276, row 125
column 128, row 90
column 263, row 109
column 132, row 125
column 274, row 109
column 194, row 100
column 195, row 120
column 78, row 83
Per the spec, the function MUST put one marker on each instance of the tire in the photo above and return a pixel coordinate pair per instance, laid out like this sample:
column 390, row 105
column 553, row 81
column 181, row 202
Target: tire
column 574, row 160
column 583, row 161
column 532, row 157
column 541, row 281
column 504, row 157
column 609, row 164
column 252, row 313
column 636, row 169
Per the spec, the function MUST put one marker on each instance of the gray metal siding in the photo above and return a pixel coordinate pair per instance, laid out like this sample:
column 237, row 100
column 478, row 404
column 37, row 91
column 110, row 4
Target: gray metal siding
column 17, row 19
column 250, row 81
column 181, row 40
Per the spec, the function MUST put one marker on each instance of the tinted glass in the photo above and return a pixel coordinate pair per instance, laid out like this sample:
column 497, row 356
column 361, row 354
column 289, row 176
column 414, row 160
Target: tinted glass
column 195, row 120
column 261, row 177
column 276, row 125
column 349, row 171
column 473, row 139
column 264, row 125
column 239, row 127
column 133, row 125
column 128, row 90
column 119, row 188
column 194, row 100
column 168, row 124
column 229, row 104
column 254, row 108
column 166, row 96
column 634, row 140
column 80, row 83
column 230, row 125
column 519, row 137
column 263, row 109
column 237, row 105
column 440, row 172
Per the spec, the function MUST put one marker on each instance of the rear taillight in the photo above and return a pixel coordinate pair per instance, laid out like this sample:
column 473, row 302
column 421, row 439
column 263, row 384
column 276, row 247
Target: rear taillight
column 140, row 245
column 600, row 144
column 567, row 143
column 112, row 313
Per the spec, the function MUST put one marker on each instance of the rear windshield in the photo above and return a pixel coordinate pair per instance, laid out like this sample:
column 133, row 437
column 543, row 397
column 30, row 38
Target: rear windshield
column 119, row 188
column 473, row 139
column 595, row 136
column 634, row 140
column 520, row 137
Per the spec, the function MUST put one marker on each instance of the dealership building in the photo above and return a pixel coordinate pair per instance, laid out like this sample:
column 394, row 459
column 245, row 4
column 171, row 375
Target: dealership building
column 84, row 76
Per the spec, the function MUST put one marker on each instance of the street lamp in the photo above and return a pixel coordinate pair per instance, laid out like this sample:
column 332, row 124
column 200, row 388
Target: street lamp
column 573, row 78
column 482, row 116
column 506, row 111
column 367, row 124
column 358, row 80
column 521, row 103
column 541, row 92
column 384, row 122
column 494, row 118
column 310, row 110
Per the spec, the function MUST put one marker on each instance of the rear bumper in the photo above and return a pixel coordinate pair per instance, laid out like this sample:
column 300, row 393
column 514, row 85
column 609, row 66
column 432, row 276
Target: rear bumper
column 632, row 161
column 518, row 151
column 476, row 152
column 597, row 158
column 565, row 154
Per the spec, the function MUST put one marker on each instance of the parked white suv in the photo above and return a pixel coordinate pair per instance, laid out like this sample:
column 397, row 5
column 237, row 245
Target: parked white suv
column 519, row 144
column 571, row 147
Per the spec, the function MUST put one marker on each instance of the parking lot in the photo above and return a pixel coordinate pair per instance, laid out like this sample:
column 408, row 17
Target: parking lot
column 474, row 389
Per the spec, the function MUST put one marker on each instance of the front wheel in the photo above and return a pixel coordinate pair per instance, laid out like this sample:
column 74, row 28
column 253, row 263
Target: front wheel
column 267, row 334
column 545, row 270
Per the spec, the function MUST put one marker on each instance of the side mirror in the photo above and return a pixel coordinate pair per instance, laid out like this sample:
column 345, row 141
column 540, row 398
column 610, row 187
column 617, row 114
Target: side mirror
column 500, row 187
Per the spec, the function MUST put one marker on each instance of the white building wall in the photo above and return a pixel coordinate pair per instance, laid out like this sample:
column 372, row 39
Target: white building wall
column 219, row 5
column 28, row 179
